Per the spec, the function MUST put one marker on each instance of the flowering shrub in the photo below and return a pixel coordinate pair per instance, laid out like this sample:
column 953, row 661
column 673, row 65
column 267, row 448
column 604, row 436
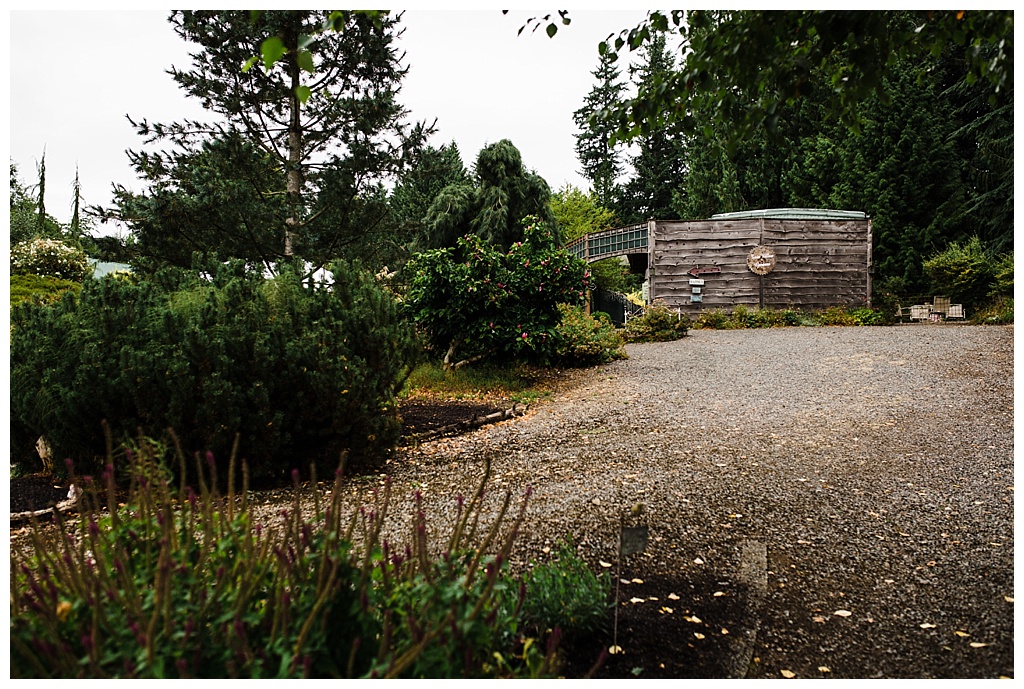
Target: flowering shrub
column 474, row 301
column 50, row 257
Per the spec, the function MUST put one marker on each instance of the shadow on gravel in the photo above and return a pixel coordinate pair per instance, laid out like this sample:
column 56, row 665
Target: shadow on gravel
column 680, row 630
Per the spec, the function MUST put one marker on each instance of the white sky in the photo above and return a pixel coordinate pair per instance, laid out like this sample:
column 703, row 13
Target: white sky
column 76, row 74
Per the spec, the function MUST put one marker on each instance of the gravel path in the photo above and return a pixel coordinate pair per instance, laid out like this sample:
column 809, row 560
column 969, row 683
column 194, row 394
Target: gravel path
column 874, row 465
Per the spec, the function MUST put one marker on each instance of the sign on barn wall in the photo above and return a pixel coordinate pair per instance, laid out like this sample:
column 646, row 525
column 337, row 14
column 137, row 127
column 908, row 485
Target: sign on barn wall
column 778, row 258
column 761, row 260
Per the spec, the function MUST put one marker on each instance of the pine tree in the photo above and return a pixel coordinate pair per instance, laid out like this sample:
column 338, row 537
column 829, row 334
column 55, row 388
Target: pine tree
column 658, row 165
column 432, row 171
column 601, row 161
column 324, row 119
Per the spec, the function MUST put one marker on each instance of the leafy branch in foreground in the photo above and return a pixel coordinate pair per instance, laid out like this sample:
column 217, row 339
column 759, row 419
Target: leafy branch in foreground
column 188, row 582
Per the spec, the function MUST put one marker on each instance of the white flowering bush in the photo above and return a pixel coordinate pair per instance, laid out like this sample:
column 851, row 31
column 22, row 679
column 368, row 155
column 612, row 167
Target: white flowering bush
column 50, row 257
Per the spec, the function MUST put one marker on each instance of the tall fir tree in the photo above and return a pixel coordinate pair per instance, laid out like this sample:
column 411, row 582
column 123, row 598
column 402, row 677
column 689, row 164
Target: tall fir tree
column 658, row 166
column 428, row 175
column 324, row 120
column 600, row 160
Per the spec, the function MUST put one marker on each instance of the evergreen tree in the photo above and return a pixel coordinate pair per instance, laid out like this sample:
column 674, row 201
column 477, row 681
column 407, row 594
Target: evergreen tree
column 324, row 120
column 431, row 171
column 601, row 161
column 41, row 196
column 658, row 165
column 502, row 193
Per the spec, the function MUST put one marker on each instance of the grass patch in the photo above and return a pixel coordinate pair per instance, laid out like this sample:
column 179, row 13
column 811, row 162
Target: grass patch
column 517, row 382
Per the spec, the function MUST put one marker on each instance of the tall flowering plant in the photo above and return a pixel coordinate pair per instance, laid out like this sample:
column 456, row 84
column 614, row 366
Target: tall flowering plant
column 473, row 301
column 49, row 257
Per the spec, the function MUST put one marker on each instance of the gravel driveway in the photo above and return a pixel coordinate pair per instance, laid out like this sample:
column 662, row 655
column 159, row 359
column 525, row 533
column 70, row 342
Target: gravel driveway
column 873, row 466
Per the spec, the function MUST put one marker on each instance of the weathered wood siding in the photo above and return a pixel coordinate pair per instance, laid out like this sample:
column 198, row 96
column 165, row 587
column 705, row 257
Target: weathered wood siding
column 819, row 263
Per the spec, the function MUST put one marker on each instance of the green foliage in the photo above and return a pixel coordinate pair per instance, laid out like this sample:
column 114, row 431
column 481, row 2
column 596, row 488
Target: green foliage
column 474, row 302
column 586, row 340
column 849, row 52
column 565, row 594
column 40, row 288
column 657, row 324
column 298, row 156
column 187, row 583
column 578, row 213
column 1002, row 276
column 502, row 194
column 999, row 312
column 432, row 171
column 297, row 371
column 600, row 160
column 50, row 257
column 836, row 315
column 612, row 275
column 963, row 271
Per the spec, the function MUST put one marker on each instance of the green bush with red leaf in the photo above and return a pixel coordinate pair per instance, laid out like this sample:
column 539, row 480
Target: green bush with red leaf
column 474, row 302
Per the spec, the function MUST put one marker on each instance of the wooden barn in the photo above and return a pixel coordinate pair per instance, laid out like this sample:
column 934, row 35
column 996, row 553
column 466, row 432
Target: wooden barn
column 777, row 258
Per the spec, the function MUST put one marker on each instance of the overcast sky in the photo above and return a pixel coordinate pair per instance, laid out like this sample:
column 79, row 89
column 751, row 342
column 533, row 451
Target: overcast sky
column 76, row 74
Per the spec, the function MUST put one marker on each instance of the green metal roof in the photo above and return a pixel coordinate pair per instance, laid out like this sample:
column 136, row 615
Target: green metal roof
column 793, row 214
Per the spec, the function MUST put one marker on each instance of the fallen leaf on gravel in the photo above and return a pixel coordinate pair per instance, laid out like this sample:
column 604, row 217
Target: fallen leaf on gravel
column 698, row 635
column 673, row 596
column 1008, row 599
column 724, row 630
column 977, row 644
column 545, row 550
column 961, row 634
column 927, row 625
column 694, row 619
column 615, row 649
column 823, row 668
column 624, row 581
column 666, row 610
column 604, row 564
column 637, row 581
column 652, row 598
column 842, row 613
column 818, row 619
column 698, row 561
column 788, row 674
column 636, row 600
column 716, row 594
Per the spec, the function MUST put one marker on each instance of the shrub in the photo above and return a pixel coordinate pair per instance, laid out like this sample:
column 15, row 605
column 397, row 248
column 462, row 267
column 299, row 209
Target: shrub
column 183, row 583
column 657, row 324
column 998, row 313
column 1002, row 276
column 586, row 340
column 714, row 319
column 866, row 316
column 964, row 271
column 40, row 288
column 50, row 257
column 474, row 302
column 836, row 315
column 565, row 594
column 299, row 372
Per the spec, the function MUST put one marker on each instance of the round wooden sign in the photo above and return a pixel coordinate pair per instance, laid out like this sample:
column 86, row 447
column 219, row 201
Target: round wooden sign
column 761, row 260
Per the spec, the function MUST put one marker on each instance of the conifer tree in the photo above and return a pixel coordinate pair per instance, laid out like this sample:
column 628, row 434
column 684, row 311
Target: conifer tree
column 601, row 162
column 502, row 193
column 324, row 123
column 658, row 165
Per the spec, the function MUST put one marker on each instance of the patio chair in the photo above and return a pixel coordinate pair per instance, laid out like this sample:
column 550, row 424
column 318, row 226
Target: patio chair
column 955, row 311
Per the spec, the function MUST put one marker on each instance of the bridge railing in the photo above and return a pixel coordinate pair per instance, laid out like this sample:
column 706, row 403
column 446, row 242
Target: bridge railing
column 620, row 241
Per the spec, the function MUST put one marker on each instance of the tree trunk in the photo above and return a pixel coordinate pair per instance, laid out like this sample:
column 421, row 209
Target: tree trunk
column 293, row 224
